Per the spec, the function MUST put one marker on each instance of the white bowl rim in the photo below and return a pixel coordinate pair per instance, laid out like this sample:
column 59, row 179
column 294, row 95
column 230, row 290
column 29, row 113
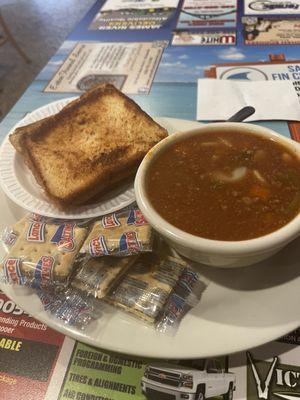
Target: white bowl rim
column 258, row 245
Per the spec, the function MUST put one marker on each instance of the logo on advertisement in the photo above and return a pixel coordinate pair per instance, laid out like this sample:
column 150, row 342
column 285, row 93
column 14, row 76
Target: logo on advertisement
column 227, row 38
column 206, row 38
column 204, row 14
column 273, row 5
column 162, row 376
column 272, row 380
column 244, row 73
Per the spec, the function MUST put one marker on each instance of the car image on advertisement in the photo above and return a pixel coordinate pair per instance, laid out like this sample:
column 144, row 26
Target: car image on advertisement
column 192, row 380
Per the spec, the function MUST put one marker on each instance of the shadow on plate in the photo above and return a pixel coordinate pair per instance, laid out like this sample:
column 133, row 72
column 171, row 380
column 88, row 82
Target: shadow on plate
column 264, row 296
column 277, row 270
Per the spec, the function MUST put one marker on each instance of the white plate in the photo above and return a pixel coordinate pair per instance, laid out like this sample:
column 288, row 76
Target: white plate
column 240, row 309
column 21, row 187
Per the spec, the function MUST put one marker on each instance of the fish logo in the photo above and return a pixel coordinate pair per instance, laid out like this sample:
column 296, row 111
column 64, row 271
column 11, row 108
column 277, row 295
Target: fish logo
column 244, row 73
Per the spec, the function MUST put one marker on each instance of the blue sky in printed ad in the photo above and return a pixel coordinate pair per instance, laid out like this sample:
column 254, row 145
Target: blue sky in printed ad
column 187, row 64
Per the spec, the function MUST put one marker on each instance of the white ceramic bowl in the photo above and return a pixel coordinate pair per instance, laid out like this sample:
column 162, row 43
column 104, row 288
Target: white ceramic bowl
column 215, row 252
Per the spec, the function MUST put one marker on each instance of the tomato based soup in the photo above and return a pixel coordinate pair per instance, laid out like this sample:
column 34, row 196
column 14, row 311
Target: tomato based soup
column 225, row 185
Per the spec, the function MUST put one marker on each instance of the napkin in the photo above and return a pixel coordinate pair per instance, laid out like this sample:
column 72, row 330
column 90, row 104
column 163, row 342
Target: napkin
column 219, row 99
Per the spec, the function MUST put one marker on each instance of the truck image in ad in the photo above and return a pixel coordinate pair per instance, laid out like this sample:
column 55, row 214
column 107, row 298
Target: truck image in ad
column 189, row 380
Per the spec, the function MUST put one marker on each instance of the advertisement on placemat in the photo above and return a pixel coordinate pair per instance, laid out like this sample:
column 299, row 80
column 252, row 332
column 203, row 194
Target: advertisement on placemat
column 133, row 14
column 269, row 372
column 203, row 13
column 271, row 379
column 49, row 366
column 193, row 38
column 94, row 372
column 263, row 72
column 271, row 7
column 99, row 374
column 58, row 368
column 28, row 353
column 130, row 67
column 271, row 31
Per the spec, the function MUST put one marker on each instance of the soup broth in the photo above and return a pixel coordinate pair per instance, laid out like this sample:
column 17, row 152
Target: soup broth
column 226, row 185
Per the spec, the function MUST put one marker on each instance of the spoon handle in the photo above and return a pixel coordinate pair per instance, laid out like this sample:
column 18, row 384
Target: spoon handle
column 242, row 114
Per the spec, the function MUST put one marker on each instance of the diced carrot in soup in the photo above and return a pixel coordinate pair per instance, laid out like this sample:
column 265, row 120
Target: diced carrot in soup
column 262, row 192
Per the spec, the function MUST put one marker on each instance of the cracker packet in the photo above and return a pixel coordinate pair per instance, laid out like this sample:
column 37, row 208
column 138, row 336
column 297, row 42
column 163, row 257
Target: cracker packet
column 71, row 307
column 186, row 295
column 40, row 251
column 123, row 233
column 97, row 276
column 144, row 291
column 11, row 233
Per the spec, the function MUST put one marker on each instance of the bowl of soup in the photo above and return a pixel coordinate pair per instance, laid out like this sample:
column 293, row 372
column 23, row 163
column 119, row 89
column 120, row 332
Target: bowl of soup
column 225, row 194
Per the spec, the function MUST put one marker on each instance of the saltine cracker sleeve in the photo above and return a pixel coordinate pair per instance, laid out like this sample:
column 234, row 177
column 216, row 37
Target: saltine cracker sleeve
column 98, row 275
column 145, row 289
column 29, row 249
column 102, row 241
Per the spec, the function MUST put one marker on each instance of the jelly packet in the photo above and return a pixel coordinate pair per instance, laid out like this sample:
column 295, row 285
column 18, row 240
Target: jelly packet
column 96, row 276
column 40, row 251
column 185, row 296
column 71, row 307
column 122, row 233
column 145, row 289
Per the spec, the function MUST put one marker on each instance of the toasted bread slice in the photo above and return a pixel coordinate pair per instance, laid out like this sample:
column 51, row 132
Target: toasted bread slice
column 90, row 146
column 15, row 138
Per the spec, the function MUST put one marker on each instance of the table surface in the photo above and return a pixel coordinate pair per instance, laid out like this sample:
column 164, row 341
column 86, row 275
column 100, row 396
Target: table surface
column 159, row 69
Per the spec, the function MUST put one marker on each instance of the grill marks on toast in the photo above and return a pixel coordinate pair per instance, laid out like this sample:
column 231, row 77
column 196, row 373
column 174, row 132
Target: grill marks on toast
column 94, row 143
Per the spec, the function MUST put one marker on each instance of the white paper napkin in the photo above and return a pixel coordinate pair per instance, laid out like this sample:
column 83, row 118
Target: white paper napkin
column 220, row 99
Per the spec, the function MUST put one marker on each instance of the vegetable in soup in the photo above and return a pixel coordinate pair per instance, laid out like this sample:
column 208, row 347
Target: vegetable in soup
column 226, row 185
